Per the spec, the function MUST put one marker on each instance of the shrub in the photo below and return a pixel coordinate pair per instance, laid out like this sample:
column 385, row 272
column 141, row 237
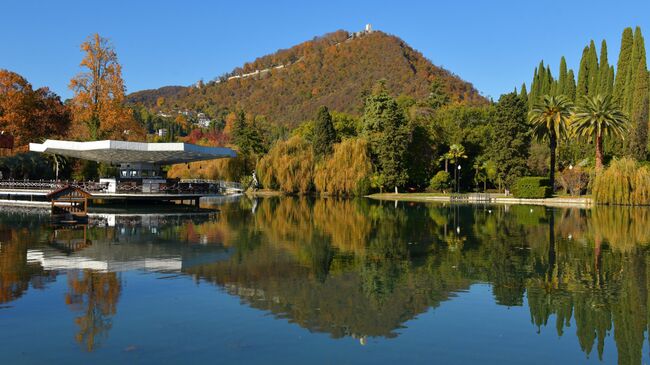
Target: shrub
column 440, row 181
column 532, row 187
column 573, row 180
column 624, row 182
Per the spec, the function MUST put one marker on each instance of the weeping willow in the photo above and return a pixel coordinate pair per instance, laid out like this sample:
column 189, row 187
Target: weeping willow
column 289, row 166
column 623, row 183
column 345, row 170
column 230, row 169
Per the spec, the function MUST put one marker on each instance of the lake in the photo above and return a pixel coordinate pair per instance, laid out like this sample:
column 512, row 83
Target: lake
column 322, row 281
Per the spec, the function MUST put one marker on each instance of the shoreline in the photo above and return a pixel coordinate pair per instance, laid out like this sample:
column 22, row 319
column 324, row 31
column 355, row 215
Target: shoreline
column 580, row 202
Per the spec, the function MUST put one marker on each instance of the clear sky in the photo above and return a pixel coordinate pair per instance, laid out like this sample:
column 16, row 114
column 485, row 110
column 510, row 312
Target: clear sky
column 493, row 44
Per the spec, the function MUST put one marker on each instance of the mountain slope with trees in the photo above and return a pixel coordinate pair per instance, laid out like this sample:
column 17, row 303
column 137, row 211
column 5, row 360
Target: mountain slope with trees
column 337, row 70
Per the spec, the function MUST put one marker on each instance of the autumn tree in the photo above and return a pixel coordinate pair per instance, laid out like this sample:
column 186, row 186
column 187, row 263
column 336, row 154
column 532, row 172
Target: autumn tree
column 98, row 104
column 29, row 114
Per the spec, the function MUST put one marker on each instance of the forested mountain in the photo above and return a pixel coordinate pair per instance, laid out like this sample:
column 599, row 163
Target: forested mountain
column 335, row 70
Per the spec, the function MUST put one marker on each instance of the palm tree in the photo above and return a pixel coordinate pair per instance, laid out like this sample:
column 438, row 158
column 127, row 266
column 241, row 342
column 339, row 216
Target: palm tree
column 599, row 116
column 456, row 152
column 550, row 120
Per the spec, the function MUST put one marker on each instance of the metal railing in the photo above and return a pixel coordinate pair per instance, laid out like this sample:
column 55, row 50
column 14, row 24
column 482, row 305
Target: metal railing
column 194, row 186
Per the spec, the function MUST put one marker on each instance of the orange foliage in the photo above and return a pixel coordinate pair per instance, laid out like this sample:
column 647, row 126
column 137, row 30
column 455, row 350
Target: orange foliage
column 29, row 114
column 98, row 105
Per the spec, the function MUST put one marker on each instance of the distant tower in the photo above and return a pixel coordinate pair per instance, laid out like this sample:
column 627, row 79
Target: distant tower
column 368, row 28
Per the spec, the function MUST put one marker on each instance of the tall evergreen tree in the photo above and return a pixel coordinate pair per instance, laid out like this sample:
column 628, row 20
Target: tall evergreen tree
column 639, row 136
column 570, row 89
column 437, row 95
column 593, row 72
column 324, row 133
column 604, row 81
column 623, row 64
column 638, row 57
column 511, row 138
column 583, row 74
column 523, row 93
column 387, row 132
column 562, row 77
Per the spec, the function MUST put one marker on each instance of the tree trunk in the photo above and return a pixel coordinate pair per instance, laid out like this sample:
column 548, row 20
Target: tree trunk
column 396, row 192
column 553, row 146
column 446, row 163
column 599, row 152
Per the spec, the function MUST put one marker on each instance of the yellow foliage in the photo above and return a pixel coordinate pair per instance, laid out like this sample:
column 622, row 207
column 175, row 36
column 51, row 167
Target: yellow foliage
column 341, row 173
column 229, row 169
column 289, row 166
column 623, row 183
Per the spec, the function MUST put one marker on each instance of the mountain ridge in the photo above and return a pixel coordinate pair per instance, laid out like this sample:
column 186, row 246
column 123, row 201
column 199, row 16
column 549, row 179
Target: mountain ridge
column 337, row 69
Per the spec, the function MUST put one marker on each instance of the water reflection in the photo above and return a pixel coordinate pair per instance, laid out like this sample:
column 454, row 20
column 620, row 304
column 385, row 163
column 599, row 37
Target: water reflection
column 356, row 269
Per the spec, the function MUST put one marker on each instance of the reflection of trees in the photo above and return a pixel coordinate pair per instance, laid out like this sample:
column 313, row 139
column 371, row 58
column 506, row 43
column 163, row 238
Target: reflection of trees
column 16, row 273
column 364, row 268
column 95, row 296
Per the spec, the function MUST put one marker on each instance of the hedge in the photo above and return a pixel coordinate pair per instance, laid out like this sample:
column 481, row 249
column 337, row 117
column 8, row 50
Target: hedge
column 532, row 187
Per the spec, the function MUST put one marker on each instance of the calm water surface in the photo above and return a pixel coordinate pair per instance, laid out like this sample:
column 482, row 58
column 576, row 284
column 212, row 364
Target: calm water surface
column 329, row 281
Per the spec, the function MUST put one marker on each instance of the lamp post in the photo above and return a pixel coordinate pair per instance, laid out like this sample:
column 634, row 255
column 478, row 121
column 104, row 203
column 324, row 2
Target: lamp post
column 458, row 181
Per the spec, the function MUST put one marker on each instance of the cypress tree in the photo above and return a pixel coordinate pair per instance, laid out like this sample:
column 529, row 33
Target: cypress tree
column 583, row 75
column 534, row 88
column 637, row 57
column 324, row 133
column 639, row 136
column 562, row 77
column 523, row 93
column 548, row 81
column 571, row 86
column 604, row 80
column 623, row 64
column 592, row 70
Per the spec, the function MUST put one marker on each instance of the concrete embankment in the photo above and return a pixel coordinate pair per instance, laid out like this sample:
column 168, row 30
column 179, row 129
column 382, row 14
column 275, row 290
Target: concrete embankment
column 580, row 202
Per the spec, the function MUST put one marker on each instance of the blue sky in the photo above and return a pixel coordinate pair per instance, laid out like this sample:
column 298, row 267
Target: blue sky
column 493, row 44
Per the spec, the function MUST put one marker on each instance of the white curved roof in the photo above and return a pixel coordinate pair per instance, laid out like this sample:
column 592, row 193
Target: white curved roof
column 130, row 152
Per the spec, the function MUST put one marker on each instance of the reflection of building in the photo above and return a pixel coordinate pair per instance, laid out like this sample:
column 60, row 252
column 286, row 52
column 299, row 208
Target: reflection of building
column 123, row 243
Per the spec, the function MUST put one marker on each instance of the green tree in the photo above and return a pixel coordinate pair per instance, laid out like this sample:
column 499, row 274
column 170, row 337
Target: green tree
column 248, row 140
column 639, row 136
column 550, row 121
column 623, row 65
column 562, row 78
column 592, row 62
column 583, row 74
column 324, row 133
column 570, row 89
column 511, row 139
column 598, row 116
column 389, row 137
column 605, row 85
column 437, row 95
column 455, row 154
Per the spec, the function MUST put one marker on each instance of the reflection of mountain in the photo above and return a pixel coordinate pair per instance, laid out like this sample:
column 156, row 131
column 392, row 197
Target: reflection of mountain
column 364, row 269
column 359, row 268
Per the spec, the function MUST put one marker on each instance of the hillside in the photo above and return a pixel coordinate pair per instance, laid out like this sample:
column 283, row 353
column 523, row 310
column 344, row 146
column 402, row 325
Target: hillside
column 336, row 70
